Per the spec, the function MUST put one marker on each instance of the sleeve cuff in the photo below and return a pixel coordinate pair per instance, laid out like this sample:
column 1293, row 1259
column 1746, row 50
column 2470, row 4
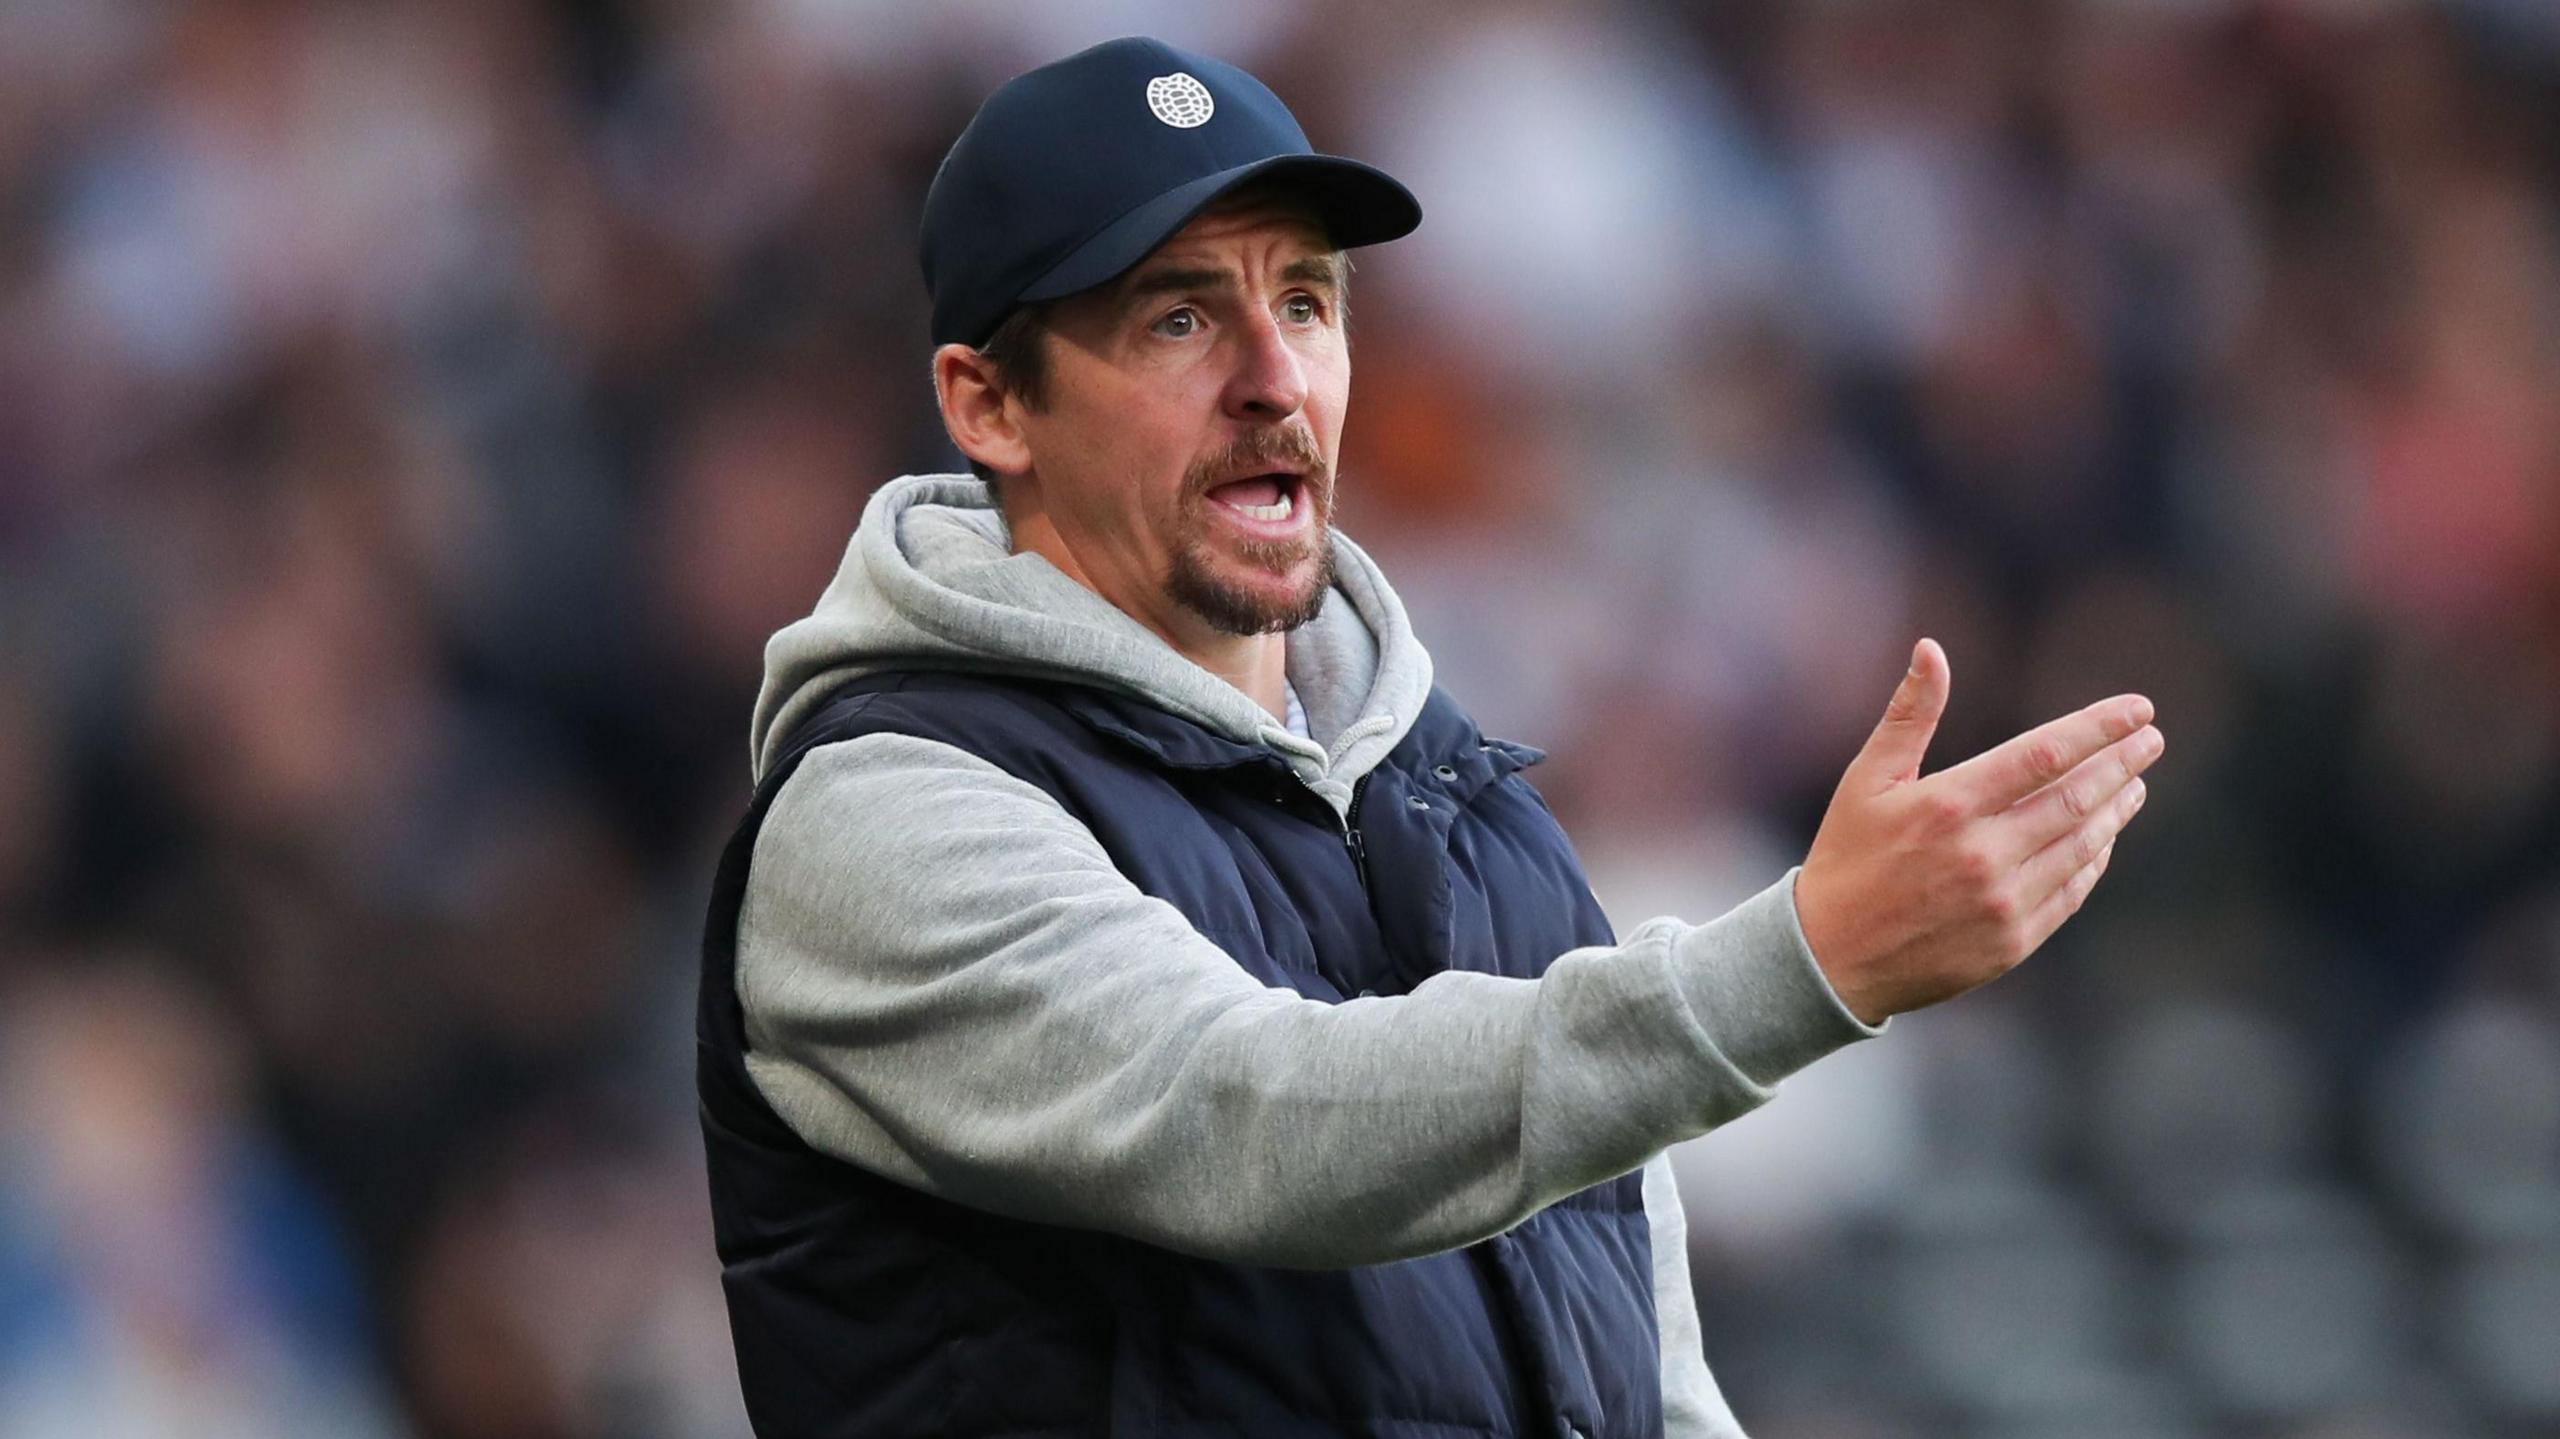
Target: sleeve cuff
column 1751, row 980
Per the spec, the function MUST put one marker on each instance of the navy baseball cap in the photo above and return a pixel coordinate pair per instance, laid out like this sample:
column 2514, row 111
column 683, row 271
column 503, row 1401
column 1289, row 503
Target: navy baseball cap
column 1073, row 172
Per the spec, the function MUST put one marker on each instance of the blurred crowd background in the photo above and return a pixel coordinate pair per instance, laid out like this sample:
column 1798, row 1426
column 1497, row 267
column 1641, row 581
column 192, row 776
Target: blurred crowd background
column 414, row 416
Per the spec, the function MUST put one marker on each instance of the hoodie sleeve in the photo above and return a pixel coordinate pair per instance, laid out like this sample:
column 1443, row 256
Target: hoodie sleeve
column 946, row 981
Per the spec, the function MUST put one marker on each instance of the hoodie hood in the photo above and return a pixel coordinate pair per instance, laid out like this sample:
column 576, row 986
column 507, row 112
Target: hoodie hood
column 929, row 581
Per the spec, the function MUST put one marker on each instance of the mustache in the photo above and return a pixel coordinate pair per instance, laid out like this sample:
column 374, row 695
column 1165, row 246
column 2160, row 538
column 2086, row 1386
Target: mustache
column 1278, row 449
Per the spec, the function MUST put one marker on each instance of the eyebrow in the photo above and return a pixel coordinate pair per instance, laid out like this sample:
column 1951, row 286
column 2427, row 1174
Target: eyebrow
column 1316, row 270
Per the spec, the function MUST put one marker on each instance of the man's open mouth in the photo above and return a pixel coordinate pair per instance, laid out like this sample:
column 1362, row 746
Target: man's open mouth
column 1271, row 498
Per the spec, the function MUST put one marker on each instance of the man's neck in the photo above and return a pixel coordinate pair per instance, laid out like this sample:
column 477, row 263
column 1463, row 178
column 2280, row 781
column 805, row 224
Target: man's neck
column 1255, row 664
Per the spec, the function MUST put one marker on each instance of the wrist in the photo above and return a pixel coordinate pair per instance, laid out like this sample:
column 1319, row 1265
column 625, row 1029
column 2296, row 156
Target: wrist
column 1834, row 956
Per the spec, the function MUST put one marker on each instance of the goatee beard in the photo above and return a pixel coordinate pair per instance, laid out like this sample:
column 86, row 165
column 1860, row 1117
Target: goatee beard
column 1231, row 608
column 1235, row 610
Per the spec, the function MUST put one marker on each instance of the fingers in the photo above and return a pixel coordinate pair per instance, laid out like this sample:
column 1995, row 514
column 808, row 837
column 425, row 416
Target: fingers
column 2065, row 901
column 2058, row 808
column 2051, row 872
column 1894, row 751
column 1997, row 778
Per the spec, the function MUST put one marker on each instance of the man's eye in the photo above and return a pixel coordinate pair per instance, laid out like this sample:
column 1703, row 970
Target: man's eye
column 1177, row 324
column 1302, row 309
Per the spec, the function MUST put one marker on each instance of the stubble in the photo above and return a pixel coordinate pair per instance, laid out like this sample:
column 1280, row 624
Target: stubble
column 1196, row 581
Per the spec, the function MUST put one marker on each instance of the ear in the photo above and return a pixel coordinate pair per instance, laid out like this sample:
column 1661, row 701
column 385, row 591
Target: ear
column 977, row 413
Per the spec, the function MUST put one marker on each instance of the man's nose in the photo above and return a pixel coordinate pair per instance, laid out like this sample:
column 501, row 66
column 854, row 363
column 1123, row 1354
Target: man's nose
column 1269, row 381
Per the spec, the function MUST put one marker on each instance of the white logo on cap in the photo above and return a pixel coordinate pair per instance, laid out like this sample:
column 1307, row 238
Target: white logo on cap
column 1180, row 101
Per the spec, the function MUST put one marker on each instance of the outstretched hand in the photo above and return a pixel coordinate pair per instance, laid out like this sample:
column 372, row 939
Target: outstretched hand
column 1917, row 890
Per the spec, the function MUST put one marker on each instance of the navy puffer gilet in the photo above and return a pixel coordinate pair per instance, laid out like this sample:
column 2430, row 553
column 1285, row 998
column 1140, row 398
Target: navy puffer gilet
column 861, row 1307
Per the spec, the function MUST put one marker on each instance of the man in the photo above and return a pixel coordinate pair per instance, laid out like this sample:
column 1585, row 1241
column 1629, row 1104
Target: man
column 1138, row 1001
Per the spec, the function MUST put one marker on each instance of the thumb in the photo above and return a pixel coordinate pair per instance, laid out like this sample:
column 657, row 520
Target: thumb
column 1893, row 752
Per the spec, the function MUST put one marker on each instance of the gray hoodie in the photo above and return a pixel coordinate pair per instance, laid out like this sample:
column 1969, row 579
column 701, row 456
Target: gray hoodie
column 946, row 981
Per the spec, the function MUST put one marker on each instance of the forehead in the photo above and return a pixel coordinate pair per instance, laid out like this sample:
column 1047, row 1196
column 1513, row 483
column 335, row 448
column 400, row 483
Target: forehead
column 1252, row 220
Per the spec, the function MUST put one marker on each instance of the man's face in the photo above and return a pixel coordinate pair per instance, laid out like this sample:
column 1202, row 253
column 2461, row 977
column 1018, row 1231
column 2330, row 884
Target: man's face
column 1185, row 456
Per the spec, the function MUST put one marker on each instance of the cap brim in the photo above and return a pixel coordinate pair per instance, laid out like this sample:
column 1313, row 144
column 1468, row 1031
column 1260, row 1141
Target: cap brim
column 1359, row 205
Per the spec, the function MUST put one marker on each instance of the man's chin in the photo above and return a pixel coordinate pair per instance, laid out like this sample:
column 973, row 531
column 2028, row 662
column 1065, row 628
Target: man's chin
column 1252, row 599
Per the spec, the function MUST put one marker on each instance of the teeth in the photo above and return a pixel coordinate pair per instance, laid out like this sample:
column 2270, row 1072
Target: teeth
column 1277, row 510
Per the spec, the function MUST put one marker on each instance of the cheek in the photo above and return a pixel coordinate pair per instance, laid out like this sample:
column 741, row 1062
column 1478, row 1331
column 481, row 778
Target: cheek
column 1329, row 392
column 1124, row 461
